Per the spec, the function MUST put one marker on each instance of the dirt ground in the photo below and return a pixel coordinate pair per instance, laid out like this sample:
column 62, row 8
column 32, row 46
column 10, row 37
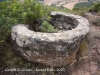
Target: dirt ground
column 91, row 64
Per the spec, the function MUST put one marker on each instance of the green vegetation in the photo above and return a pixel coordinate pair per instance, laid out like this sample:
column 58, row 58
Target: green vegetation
column 46, row 27
column 95, row 7
column 14, row 12
column 93, row 1
column 83, row 4
column 81, row 8
column 80, row 11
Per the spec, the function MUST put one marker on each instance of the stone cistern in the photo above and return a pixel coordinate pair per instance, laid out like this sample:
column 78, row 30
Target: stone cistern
column 53, row 49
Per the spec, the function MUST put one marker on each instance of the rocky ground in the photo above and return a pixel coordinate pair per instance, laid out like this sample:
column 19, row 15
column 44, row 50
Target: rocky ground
column 91, row 64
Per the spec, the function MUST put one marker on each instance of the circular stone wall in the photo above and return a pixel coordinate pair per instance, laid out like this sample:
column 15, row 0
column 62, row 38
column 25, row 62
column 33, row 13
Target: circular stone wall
column 53, row 49
column 62, row 22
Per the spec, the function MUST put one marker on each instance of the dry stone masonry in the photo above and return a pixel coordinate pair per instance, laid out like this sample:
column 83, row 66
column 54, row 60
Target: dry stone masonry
column 63, row 22
column 53, row 49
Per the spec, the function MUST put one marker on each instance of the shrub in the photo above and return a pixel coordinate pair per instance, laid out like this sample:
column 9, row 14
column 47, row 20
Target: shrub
column 46, row 27
column 14, row 12
column 80, row 11
column 83, row 4
column 95, row 7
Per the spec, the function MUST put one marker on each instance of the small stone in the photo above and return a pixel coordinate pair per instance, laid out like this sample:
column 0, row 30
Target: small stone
column 98, row 51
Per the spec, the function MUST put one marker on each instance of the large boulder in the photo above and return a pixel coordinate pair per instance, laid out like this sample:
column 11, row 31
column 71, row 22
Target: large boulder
column 53, row 49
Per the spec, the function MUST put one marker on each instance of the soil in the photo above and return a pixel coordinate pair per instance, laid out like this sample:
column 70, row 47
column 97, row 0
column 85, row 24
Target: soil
column 90, row 65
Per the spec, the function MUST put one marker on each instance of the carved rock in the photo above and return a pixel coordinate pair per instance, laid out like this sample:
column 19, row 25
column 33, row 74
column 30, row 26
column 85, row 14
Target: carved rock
column 53, row 49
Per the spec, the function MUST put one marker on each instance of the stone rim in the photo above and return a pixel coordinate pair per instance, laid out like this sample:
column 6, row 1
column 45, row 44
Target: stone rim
column 81, row 30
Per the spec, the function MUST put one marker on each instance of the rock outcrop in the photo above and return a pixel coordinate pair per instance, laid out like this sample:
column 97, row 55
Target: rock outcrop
column 53, row 49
